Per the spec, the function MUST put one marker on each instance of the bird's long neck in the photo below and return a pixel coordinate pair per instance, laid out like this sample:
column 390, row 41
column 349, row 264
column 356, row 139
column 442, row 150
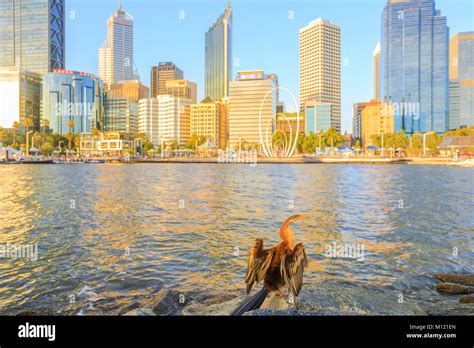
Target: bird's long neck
column 286, row 234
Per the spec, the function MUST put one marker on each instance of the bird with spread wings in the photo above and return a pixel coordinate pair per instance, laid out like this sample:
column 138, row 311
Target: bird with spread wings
column 279, row 268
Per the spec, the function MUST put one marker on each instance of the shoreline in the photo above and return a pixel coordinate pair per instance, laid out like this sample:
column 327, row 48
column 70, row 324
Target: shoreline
column 266, row 160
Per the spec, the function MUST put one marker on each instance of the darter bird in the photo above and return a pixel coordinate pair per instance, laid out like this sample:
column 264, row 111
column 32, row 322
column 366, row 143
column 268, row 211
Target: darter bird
column 280, row 268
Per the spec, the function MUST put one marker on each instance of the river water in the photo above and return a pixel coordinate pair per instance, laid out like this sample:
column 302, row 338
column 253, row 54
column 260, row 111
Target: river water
column 114, row 230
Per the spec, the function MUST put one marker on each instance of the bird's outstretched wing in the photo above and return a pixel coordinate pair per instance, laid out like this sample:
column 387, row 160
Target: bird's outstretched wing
column 291, row 269
column 257, row 263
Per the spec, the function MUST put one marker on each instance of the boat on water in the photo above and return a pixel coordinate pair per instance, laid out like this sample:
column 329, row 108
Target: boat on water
column 42, row 161
column 94, row 161
column 67, row 161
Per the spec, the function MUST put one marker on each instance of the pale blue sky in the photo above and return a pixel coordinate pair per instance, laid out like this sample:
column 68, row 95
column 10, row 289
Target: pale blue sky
column 264, row 36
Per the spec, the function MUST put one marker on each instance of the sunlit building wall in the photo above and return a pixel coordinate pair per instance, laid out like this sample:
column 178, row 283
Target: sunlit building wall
column 209, row 119
column 133, row 90
column 415, row 63
column 377, row 119
column 148, row 119
column 218, row 57
column 20, row 96
column 174, row 119
column 461, row 75
column 73, row 96
column 165, row 71
column 252, row 92
column 182, row 88
column 320, row 66
column 32, row 34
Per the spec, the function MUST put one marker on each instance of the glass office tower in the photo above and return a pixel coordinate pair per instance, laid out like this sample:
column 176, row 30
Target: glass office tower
column 218, row 57
column 32, row 34
column 73, row 96
column 415, row 42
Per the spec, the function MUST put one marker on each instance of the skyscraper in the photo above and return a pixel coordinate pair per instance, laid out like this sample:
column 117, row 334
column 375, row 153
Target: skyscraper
column 320, row 66
column 461, row 76
column 251, row 94
column 32, row 34
column 116, row 53
column 376, row 72
column 415, row 64
column 165, row 71
column 218, row 57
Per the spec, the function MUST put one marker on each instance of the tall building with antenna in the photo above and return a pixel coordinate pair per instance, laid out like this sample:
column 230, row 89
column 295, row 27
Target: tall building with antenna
column 116, row 53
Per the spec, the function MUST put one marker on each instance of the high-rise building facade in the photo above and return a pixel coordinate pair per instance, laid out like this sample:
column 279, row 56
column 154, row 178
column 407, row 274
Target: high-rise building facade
column 415, row 64
column 116, row 53
column 320, row 66
column 461, row 76
column 377, row 119
column 318, row 116
column 20, row 96
column 73, row 96
column 148, row 119
column 209, row 119
column 174, row 119
column 376, row 72
column 165, row 71
column 120, row 115
column 32, row 34
column 357, row 109
column 183, row 89
column 218, row 57
column 133, row 90
column 252, row 108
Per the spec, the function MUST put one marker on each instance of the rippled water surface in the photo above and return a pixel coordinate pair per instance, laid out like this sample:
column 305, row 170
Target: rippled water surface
column 108, row 230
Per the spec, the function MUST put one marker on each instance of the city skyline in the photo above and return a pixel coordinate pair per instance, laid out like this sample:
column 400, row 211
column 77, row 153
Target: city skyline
column 191, row 21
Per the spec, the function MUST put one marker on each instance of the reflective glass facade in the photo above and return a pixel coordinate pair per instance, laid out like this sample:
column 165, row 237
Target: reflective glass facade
column 120, row 115
column 73, row 96
column 461, row 74
column 415, row 41
column 32, row 34
column 218, row 57
column 318, row 117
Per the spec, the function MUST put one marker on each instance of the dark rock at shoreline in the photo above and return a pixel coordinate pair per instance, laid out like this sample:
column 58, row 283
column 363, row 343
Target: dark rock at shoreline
column 464, row 279
column 451, row 288
column 140, row 312
column 453, row 309
column 466, row 299
column 166, row 302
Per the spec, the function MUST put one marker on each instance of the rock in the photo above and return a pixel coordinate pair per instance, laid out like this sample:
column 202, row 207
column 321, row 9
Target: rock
column 279, row 312
column 456, row 309
column 464, row 279
column 166, row 302
column 466, row 299
column 451, row 288
column 140, row 312
column 224, row 308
